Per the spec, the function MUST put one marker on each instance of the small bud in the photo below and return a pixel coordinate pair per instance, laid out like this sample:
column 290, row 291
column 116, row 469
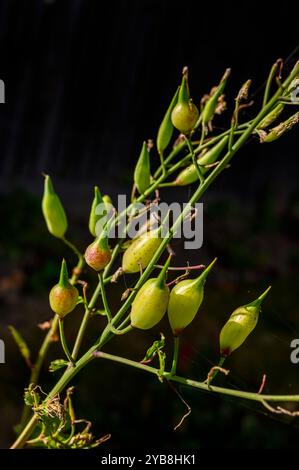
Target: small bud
column 185, row 114
column 98, row 254
column 150, row 303
column 94, row 216
column 166, row 128
column 63, row 296
column 185, row 300
column 189, row 174
column 240, row 324
column 53, row 210
column 142, row 173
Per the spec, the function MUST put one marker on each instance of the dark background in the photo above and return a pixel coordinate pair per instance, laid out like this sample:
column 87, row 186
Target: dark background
column 86, row 83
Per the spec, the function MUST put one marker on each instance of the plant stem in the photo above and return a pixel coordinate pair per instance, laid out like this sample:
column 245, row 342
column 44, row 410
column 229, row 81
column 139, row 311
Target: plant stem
column 64, row 343
column 176, row 343
column 272, row 73
column 46, row 344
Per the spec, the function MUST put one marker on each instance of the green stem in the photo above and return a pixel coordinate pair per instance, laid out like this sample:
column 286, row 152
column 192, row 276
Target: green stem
column 46, row 344
column 176, row 343
column 194, row 160
column 64, row 343
column 215, row 372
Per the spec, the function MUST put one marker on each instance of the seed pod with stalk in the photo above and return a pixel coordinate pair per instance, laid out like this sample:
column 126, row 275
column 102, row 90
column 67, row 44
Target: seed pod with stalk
column 240, row 324
column 53, row 210
column 185, row 114
column 142, row 173
column 276, row 132
column 98, row 253
column 185, row 300
column 166, row 128
column 63, row 296
column 141, row 251
column 150, row 303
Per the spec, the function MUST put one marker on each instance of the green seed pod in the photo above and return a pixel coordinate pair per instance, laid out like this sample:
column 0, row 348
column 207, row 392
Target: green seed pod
column 189, row 174
column 281, row 129
column 271, row 117
column 94, row 217
column 142, row 173
column 185, row 114
column 107, row 199
column 141, row 251
column 185, row 300
column 53, row 210
column 63, row 296
column 98, row 253
column 210, row 106
column 166, row 128
column 150, row 303
column 240, row 324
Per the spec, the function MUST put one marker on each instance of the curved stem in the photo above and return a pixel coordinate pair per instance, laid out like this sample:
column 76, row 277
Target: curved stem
column 271, row 76
column 64, row 343
column 176, row 343
column 106, row 335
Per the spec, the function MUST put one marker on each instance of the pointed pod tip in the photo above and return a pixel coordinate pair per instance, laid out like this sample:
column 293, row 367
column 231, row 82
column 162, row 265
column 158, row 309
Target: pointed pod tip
column 162, row 276
column 208, row 269
column 64, row 275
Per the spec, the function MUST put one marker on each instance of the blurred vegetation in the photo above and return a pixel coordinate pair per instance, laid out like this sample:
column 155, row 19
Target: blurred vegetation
column 255, row 245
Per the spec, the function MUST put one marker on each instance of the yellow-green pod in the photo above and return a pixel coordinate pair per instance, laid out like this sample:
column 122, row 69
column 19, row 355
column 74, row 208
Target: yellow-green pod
column 94, row 216
column 142, row 173
column 210, row 106
column 141, row 251
column 53, row 210
column 185, row 114
column 150, row 303
column 189, row 174
column 239, row 326
column 98, row 253
column 185, row 300
column 281, row 129
column 271, row 117
column 166, row 128
column 63, row 296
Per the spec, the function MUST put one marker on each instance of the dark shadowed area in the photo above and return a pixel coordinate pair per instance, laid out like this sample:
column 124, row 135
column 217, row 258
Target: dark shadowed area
column 86, row 82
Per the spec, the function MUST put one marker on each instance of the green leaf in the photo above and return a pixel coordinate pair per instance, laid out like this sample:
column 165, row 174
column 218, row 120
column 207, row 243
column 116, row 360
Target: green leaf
column 57, row 364
column 22, row 345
